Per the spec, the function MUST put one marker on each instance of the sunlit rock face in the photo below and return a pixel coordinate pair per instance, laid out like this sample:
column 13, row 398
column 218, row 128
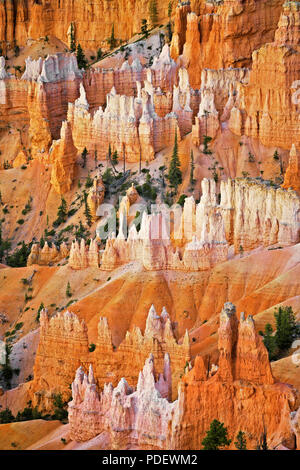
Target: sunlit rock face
column 220, row 36
column 248, row 214
column 269, row 108
column 64, row 346
column 241, row 391
column 92, row 20
column 63, row 155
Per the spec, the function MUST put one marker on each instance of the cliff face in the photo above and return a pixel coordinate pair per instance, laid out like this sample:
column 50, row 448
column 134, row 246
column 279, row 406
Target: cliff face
column 224, row 35
column 268, row 105
column 240, row 392
column 64, row 346
column 93, row 20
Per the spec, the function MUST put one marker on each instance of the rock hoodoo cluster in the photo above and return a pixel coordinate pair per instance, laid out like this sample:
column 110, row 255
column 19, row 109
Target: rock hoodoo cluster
column 64, row 346
column 143, row 417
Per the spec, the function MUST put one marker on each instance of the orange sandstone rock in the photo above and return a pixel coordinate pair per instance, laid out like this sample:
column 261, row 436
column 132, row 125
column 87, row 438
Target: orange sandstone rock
column 64, row 347
column 292, row 174
column 241, row 393
column 63, row 154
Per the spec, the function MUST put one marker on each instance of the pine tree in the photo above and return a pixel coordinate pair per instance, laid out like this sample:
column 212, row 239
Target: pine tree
column 192, row 181
column 285, row 327
column 144, row 28
column 263, row 444
column 276, row 155
column 89, row 181
column 80, row 231
column 68, row 290
column 87, row 211
column 269, row 341
column 216, row 437
column 112, row 42
column 153, row 12
column 175, row 175
column 72, row 39
column 83, row 156
column 241, row 442
column 170, row 8
column 6, row 416
column 99, row 53
column 115, row 157
column 81, row 60
column 62, row 213
column 41, row 307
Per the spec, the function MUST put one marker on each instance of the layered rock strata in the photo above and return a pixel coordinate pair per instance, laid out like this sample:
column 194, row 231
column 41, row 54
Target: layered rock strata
column 241, row 392
column 268, row 107
column 64, row 346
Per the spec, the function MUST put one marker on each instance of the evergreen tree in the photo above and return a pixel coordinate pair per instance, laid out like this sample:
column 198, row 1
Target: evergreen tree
column 99, row 54
column 62, row 213
column 19, row 257
column 153, row 12
column 285, row 327
column 81, row 60
column 6, row 416
column 72, row 39
column 175, row 175
column 144, row 28
column 80, row 232
column 240, row 442
column 4, row 245
column 170, row 8
column 192, row 181
column 87, row 211
column 41, row 307
column 269, row 341
column 83, row 156
column 263, row 444
column 169, row 25
column 216, row 437
column 115, row 157
column 276, row 155
column 112, row 42
column 68, row 290
column 89, row 181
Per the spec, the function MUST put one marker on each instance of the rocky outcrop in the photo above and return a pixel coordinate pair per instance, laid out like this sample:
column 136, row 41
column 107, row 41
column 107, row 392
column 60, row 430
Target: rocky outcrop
column 269, row 109
column 137, row 416
column 271, row 217
column 130, row 125
column 153, row 248
column 92, row 20
column 241, row 392
column 64, row 347
column 179, row 34
column 249, row 214
column 292, row 174
column 96, row 196
column 47, row 255
column 224, row 35
column 82, row 255
column 63, row 156
column 55, row 68
column 296, row 426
